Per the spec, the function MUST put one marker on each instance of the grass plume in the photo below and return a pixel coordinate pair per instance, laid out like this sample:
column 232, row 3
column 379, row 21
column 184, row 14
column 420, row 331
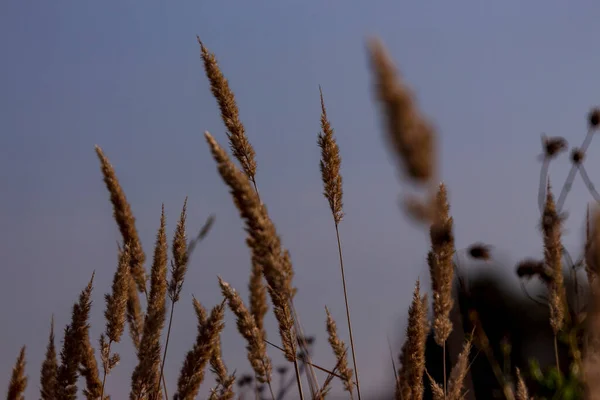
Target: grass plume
column 192, row 372
column 238, row 141
column 49, row 370
column 339, row 350
column 145, row 378
column 412, row 359
column 18, row 380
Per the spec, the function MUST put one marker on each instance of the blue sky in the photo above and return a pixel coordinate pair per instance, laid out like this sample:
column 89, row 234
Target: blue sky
column 127, row 76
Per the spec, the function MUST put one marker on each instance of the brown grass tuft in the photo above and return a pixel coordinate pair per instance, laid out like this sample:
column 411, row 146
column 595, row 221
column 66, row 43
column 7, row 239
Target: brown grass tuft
column 441, row 267
column 192, row 372
column 116, row 302
column 257, row 350
column 49, row 369
column 258, row 297
column 551, row 228
column 459, row 372
column 180, row 256
column 71, row 353
column 225, row 381
column 330, row 165
column 240, row 146
column 408, row 132
column 125, row 220
column 339, row 349
column 522, row 392
column 264, row 243
column 126, row 223
column 18, row 380
column 145, row 377
column 412, row 359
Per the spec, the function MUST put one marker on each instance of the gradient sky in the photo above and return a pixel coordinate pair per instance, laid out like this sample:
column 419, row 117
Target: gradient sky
column 127, row 76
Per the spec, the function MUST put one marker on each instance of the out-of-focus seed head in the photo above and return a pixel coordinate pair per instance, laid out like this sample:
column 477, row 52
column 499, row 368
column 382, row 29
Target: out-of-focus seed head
column 594, row 118
column 530, row 268
column 553, row 146
column 480, row 251
column 577, row 156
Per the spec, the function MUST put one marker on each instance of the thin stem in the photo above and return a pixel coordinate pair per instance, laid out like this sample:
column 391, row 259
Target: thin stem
column 256, row 190
column 337, row 232
column 569, row 181
column 556, row 353
column 105, row 372
column 588, row 182
column 543, row 179
column 566, row 187
column 162, row 366
column 307, row 362
column 444, row 362
column 393, row 362
column 298, row 381
column 271, row 389
column 268, row 381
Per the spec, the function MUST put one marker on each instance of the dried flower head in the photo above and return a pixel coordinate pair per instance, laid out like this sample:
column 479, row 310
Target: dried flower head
column 480, row 251
column 594, row 118
column 577, row 156
column 530, row 268
column 553, row 146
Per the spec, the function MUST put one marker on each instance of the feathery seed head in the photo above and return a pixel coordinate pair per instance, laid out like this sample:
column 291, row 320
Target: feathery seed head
column 412, row 358
column 238, row 141
column 409, row 133
column 18, row 380
column 265, row 244
column 340, row 351
column 330, row 165
column 180, row 257
column 125, row 220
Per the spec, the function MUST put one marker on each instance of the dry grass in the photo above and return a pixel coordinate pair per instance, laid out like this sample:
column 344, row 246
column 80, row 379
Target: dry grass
column 413, row 140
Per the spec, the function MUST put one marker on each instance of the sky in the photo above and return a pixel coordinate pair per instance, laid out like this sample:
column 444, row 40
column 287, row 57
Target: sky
column 127, row 76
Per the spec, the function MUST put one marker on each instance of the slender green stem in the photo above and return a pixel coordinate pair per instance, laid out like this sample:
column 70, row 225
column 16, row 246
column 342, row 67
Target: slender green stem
column 337, row 232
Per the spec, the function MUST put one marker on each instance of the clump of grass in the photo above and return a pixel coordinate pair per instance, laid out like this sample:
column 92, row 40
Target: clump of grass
column 412, row 138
